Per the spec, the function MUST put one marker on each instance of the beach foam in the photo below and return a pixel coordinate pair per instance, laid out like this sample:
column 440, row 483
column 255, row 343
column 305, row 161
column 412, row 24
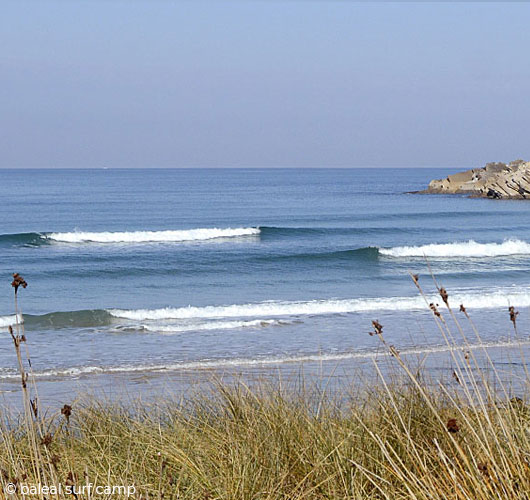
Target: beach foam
column 169, row 329
column 256, row 362
column 460, row 249
column 199, row 234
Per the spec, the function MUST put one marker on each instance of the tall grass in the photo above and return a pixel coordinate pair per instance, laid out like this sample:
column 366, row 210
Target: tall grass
column 395, row 439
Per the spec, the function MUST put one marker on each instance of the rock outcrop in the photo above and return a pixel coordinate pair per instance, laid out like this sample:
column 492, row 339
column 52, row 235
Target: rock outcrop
column 495, row 180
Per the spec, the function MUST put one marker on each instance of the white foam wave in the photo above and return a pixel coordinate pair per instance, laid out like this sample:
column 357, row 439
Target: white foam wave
column 6, row 321
column 169, row 329
column 502, row 297
column 460, row 249
column 200, row 234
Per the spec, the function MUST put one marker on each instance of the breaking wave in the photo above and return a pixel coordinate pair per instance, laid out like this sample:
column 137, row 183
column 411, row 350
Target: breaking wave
column 460, row 249
column 478, row 300
column 153, row 236
column 6, row 321
column 123, row 237
column 257, row 314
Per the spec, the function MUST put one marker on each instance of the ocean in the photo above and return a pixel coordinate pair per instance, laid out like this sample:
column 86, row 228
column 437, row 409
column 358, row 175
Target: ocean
column 159, row 271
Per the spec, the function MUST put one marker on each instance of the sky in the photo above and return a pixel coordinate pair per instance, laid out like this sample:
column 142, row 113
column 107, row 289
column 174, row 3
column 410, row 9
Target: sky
column 263, row 83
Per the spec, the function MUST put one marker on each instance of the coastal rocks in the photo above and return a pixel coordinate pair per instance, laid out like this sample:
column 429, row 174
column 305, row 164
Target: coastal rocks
column 495, row 180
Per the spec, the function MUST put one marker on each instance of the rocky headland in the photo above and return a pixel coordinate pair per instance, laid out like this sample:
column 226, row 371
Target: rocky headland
column 495, row 180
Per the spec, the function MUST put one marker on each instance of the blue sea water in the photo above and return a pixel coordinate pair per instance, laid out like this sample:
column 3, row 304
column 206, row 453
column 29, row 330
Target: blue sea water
column 162, row 270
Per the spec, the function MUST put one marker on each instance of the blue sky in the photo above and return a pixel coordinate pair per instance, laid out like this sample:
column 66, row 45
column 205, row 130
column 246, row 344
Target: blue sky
column 270, row 83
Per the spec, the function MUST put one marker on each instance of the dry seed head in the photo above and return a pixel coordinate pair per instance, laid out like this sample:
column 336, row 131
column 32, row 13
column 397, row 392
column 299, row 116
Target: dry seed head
column 444, row 295
column 482, row 467
column 452, row 425
column 34, row 407
column 55, row 459
column 394, row 352
column 462, row 308
column 434, row 309
column 46, row 440
column 378, row 328
column 18, row 281
column 66, row 410
column 71, row 479
column 513, row 315
column 15, row 338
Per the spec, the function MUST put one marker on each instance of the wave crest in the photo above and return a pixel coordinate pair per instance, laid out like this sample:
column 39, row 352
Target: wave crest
column 478, row 300
column 460, row 249
column 153, row 236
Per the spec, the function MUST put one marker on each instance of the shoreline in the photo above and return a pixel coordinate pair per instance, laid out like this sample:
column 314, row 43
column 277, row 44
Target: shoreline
column 335, row 371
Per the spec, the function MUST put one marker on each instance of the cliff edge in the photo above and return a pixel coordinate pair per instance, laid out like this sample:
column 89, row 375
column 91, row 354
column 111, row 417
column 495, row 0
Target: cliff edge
column 495, row 180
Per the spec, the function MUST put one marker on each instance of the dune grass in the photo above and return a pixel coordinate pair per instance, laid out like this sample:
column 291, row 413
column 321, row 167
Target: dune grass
column 394, row 439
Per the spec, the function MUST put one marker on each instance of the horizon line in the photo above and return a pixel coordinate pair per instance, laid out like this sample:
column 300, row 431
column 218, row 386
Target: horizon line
column 250, row 167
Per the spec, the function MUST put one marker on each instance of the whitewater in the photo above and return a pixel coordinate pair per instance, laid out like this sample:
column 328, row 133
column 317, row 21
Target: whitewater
column 199, row 234
column 480, row 299
column 460, row 249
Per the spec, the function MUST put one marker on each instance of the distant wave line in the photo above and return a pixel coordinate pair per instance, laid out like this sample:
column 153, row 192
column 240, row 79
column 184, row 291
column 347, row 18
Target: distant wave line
column 165, row 236
column 153, row 236
column 451, row 250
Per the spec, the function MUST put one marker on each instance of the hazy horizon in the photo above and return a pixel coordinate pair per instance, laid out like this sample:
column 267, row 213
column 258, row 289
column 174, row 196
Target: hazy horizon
column 247, row 167
column 140, row 84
